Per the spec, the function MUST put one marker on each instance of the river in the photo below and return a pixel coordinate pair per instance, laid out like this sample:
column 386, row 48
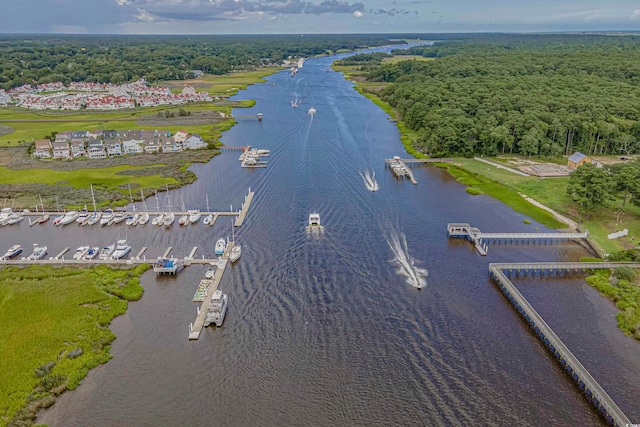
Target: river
column 330, row 329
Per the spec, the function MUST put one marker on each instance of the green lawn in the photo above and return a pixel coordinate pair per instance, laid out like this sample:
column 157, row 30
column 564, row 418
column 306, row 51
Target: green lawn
column 45, row 314
column 226, row 84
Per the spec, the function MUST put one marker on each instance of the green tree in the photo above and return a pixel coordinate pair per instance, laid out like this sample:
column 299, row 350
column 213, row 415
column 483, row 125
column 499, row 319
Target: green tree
column 590, row 187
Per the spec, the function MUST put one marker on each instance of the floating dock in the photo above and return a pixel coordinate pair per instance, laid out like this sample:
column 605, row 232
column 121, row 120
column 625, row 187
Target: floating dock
column 400, row 169
column 245, row 208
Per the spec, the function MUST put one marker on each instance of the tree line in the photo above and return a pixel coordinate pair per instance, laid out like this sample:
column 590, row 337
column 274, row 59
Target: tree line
column 531, row 95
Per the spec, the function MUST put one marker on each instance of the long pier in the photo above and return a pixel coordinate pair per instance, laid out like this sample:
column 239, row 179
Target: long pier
column 481, row 240
column 572, row 366
column 196, row 327
column 421, row 161
column 245, row 208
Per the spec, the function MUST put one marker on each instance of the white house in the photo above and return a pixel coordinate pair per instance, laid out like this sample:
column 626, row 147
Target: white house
column 170, row 145
column 96, row 150
column 132, row 146
column 61, row 150
column 114, row 148
column 181, row 136
column 194, row 142
column 42, row 149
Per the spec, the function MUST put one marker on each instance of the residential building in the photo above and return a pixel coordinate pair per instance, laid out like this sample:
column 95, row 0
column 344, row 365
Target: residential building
column 181, row 136
column 194, row 142
column 132, row 146
column 578, row 159
column 78, row 148
column 152, row 146
column 96, row 149
column 169, row 145
column 114, row 147
column 61, row 150
column 42, row 149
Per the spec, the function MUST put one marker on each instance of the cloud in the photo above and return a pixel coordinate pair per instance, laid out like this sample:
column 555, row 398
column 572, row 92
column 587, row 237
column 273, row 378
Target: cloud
column 358, row 14
column 635, row 15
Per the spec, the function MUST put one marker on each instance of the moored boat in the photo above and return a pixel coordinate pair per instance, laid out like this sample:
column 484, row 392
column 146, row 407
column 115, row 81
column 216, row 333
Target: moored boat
column 81, row 252
column 184, row 220
column 94, row 218
column 208, row 219
column 69, row 217
column 107, row 251
column 92, row 253
column 14, row 218
column 107, row 216
column 143, row 219
column 39, row 252
column 194, row 216
column 133, row 220
column 159, row 220
column 118, row 218
column 235, row 253
column 122, row 249
column 217, row 309
column 169, row 219
column 220, row 246
column 12, row 252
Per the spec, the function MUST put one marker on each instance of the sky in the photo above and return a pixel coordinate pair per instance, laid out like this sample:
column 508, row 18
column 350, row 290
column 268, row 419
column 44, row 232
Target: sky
column 314, row 16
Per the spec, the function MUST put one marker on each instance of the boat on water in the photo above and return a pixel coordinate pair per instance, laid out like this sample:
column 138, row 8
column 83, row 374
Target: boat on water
column 169, row 219
column 107, row 251
column 69, row 217
column 107, row 216
column 4, row 214
column 144, row 218
column 210, row 273
column 159, row 220
column 39, row 252
column 118, row 218
column 82, row 217
column 133, row 220
column 220, row 246
column 122, row 249
column 314, row 220
column 12, row 252
column 14, row 218
column 208, row 219
column 184, row 220
column 92, row 253
column 217, row 309
column 57, row 220
column 81, row 252
column 235, row 253
column 41, row 220
column 93, row 219
column 194, row 216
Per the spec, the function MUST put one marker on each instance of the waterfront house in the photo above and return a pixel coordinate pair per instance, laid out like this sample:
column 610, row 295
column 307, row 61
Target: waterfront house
column 152, row 146
column 113, row 147
column 132, row 146
column 95, row 149
column 181, row 136
column 194, row 142
column 78, row 148
column 61, row 150
column 170, row 145
column 42, row 149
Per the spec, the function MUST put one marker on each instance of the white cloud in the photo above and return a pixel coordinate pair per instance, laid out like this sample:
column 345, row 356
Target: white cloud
column 358, row 14
column 635, row 15
column 123, row 2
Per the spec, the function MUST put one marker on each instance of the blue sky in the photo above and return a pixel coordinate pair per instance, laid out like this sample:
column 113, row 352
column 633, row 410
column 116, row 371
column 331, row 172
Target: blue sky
column 314, row 16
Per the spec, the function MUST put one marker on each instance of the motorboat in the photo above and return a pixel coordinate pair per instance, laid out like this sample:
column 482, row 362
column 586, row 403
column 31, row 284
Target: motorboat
column 133, row 220
column 4, row 214
column 194, row 216
column 208, row 219
column 209, row 274
column 39, row 252
column 314, row 220
column 69, row 217
column 92, row 253
column 118, row 218
column 106, row 252
column 169, row 219
column 220, row 246
column 235, row 253
column 122, row 249
column 159, row 220
column 144, row 218
column 217, row 309
column 14, row 218
column 81, row 252
column 184, row 220
column 82, row 217
column 57, row 220
column 107, row 216
column 94, row 218
column 13, row 252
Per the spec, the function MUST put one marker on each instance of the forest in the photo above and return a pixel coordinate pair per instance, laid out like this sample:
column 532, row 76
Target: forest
column 531, row 95
column 119, row 59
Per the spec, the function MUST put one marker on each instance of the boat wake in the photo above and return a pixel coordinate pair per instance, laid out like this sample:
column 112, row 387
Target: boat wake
column 416, row 277
column 369, row 179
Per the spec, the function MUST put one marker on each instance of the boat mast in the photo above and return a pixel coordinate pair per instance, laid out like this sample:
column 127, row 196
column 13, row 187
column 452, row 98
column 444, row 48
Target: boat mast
column 93, row 197
column 131, row 197
column 157, row 201
column 144, row 201
column 207, row 196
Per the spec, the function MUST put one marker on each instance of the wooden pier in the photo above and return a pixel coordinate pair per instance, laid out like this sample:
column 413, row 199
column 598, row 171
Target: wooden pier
column 400, row 169
column 142, row 251
column 167, row 252
column 257, row 117
column 570, row 363
column 245, row 208
column 193, row 252
column 421, row 161
column 196, row 327
column 481, row 240
column 61, row 253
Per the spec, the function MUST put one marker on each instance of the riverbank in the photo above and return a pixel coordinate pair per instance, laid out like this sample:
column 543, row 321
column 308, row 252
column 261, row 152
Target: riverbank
column 55, row 327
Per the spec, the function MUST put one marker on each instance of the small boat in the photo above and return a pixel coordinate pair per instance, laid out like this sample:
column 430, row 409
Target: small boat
column 217, row 309
column 14, row 218
column 143, row 219
column 39, row 252
column 13, row 252
column 107, row 251
column 122, row 249
column 314, row 220
column 169, row 219
column 235, row 253
column 82, row 217
column 133, row 220
column 69, row 217
column 93, row 219
column 158, row 220
column 208, row 219
column 41, row 220
column 209, row 274
column 107, row 216
column 57, row 220
column 220, row 245
column 81, row 252
column 4, row 214
column 194, row 216
column 184, row 220
column 92, row 253
column 118, row 218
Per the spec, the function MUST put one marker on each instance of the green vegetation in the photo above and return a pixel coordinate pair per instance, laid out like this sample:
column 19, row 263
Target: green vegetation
column 54, row 329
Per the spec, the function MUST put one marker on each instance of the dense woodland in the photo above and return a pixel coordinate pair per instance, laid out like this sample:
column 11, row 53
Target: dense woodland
column 532, row 95
column 119, row 59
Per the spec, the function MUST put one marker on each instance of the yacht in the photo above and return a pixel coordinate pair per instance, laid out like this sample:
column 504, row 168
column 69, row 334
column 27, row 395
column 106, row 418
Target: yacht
column 143, row 219
column 81, row 252
column 56, row 220
column 4, row 214
column 82, row 217
column 314, row 220
column 38, row 252
column 14, row 218
column 184, row 220
column 217, row 309
column 94, row 218
column 194, row 216
column 122, row 249
column 69, row 217
column 235, row 253
column 133, row 220
column 118, row 218
column 208, row 219
column 92, row 253
column 220, row 245
column 159, row 220
column 106, row 252
column 107, row 216
column 169, row 219
column 13, row 252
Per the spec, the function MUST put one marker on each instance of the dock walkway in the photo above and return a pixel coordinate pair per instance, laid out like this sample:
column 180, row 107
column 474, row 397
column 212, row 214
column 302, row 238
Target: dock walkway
column 400, row 169
column 245, row 208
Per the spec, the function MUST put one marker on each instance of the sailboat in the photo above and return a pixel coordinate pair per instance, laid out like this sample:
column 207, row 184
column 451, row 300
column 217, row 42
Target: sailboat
column 169, row 217
column 43, row 218
column 144, row 217
column 209, row 218
column 132, row 219
column 184, row 219
column 236, row 250
column 56, row 220
column 158, row 220
column 96, row 215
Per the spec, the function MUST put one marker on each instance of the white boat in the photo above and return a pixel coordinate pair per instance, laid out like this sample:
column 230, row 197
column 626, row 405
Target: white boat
column 38, row 252
column 314, row 220
column 118, row 218
column 107, row 251
column 13, row 252
column 169, row 219
column 235, row 253
column 133, row 220
column 208, row 219
column 69, row 217
column 92, row 253
column 122, row 249
column 14, row 218
column 217, row 309
column 158, row 220
column 209, row 274
column 144, row 218
column 42, row 219
column 184, row 220
column 82, row 217
column 81, row 252
column 220, row 245
column 93, row 219
column 4, row 214
column 107, row 216
column 194, row 216
column 57, row 220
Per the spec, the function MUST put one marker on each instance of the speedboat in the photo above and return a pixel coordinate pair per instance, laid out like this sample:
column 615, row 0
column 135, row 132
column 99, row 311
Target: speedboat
column 4, row 214
column 82, row 218
column 94, row 218
column 217, row 309
column 69, row 217
column 122, row 249
column 57, row 220
column 208, row 219
column 314, row 220
column 13, row 252
column 38, row 252
column 92, row 253
column 107, row 216
column 194, row 216
column 14, row 218
column 235, row 253
column 118, row 218
column 81, row 252
column 184, row 220
column 220, row 245
column 106, row 252
column 158, row 220
column 133, row 220
column 209, row 274
column 169, row 219
column 143, row 219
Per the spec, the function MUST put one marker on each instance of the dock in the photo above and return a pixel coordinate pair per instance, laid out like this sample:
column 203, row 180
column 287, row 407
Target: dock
column 167, row 252
column 481, row 240
column 196, row 327
column 193, row 252
column 142, row 251
column 61, row 253
column 400, row 169
column 569, row 362
column 245, row 208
